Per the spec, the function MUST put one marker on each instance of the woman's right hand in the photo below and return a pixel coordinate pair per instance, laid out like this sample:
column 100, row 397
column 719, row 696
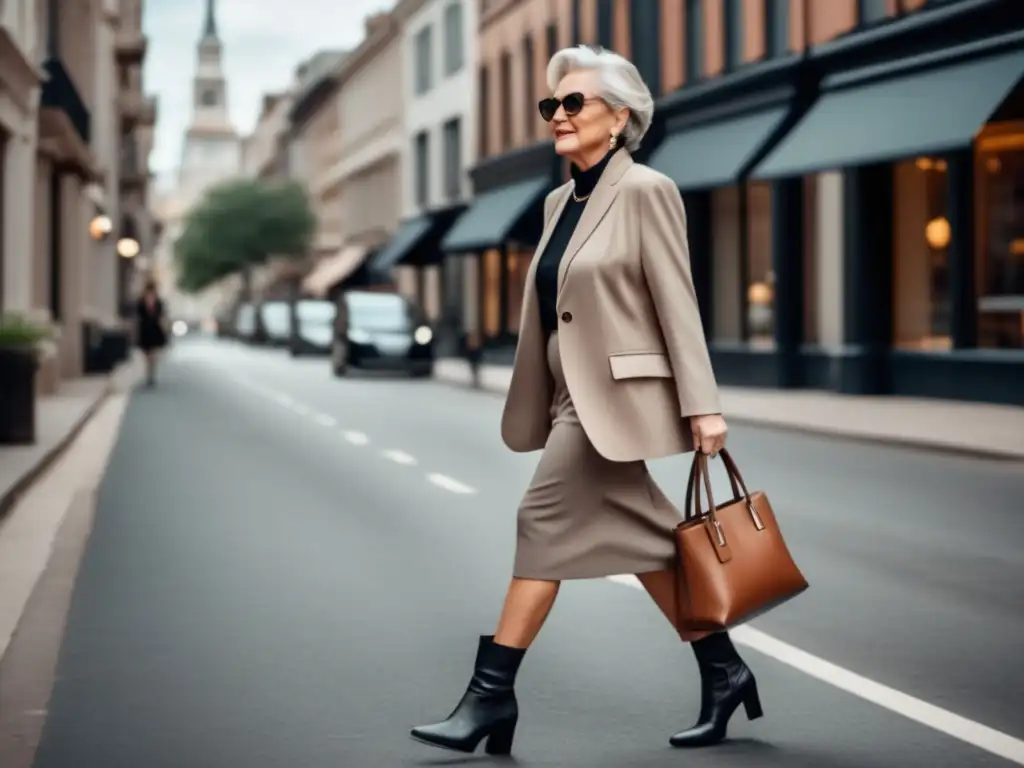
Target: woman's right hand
column 709, row 433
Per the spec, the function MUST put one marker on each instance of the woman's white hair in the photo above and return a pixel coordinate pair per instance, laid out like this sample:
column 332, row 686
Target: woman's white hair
column 620, row 85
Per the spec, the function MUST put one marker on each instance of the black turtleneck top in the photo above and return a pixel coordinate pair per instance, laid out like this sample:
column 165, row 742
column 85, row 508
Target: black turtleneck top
column 547, row 268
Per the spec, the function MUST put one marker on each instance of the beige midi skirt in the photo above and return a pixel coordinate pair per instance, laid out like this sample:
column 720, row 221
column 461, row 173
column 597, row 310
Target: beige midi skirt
column 585, row 516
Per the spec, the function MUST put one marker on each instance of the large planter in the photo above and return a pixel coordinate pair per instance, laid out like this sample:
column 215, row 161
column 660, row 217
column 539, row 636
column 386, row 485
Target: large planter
column 17, row 396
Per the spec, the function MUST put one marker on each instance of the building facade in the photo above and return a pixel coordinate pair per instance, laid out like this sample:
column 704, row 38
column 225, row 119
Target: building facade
column 827, row 254
column 438, row 42
column 367, row 151
column 60, row 196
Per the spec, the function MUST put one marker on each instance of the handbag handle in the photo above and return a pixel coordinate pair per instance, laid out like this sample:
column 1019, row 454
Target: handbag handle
column 700, row 464
column 693, row 476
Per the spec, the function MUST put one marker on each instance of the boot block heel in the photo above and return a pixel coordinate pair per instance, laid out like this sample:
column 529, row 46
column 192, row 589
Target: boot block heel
column 499, row 742
column 752, row 703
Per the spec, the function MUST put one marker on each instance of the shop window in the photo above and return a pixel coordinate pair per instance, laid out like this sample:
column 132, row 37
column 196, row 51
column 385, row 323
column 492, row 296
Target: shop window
column 605, row 23
column 760, row 293
column 518, row 262
column 1000, row 231
column 491, row 314
column 812, row 255
column 726, row 273
column 694, row 49
column 921, row 235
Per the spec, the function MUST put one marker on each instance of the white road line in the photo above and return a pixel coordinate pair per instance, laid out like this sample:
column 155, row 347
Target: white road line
column 936, row 718
column 400, row 457
column 325, row 421
column 356, row 438
column 300, row 409
column 449, row 484
column 283, row 400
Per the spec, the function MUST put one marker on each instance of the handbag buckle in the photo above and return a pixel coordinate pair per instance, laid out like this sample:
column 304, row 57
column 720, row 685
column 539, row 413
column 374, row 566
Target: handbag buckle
column 758, row 522
column 719, row 533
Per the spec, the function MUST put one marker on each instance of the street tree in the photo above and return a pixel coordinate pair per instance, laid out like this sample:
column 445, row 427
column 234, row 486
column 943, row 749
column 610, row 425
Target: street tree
column 240, row 225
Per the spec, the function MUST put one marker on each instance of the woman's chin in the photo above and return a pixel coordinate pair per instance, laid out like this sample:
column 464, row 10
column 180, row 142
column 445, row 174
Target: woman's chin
column 567, row 145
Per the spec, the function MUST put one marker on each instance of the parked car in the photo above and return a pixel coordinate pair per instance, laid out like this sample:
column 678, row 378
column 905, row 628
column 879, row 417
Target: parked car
column 314, row 327
column 381, row 330
column 245, row 323
column 275, row 321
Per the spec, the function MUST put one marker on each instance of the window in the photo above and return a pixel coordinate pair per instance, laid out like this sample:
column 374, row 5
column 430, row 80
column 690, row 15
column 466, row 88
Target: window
column 605, row 23
column 920, row 256
column 872, row 10
column 776, row 31
column 454, row 50
column 760, row 289
column 551, row 33
column 733, row 29
column 421, row 158
column 694, row 40
column 506, row 100
column 424, row 56
column 484, row 112
column 1000, row 206
column 452, row 137
column 529, row 88
column 644, row 33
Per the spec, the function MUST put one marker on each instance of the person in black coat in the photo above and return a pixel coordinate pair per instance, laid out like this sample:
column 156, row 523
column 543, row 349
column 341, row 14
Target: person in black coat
column 151, row 330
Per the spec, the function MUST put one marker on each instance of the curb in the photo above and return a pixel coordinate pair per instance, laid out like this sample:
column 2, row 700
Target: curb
column 894, row 441
column 9, row 498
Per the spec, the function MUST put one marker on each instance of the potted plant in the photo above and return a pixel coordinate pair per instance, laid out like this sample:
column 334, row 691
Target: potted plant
column 20, row 337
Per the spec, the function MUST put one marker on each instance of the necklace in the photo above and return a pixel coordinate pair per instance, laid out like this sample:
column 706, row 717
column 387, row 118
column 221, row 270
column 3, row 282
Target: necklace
column 579, row 199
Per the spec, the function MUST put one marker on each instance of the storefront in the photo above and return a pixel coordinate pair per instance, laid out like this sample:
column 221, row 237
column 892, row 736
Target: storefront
column 856, row 215
column 499, row 231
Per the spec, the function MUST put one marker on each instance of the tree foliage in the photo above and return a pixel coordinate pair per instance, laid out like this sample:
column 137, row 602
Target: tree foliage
column 239, row 225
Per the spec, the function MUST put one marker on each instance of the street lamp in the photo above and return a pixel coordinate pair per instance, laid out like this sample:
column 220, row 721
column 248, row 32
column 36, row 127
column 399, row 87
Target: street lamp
column 128, row 248
column 100, row 227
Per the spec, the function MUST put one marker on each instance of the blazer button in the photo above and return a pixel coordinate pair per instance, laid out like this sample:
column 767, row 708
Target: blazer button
column 567, row 317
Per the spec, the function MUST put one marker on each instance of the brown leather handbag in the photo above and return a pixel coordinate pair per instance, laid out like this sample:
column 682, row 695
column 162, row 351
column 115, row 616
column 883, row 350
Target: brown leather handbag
column 733, row 562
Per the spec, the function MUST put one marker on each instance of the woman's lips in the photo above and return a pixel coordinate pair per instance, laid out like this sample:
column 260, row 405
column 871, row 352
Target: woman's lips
column 562, row 134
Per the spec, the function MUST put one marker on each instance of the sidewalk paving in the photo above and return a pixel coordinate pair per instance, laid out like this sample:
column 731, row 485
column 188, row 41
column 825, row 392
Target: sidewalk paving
column 59, row 419
column 980, row 429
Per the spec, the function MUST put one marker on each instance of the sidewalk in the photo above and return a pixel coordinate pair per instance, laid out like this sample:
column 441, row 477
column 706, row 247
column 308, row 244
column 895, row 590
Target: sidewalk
column 59, row 419
column 962, row 427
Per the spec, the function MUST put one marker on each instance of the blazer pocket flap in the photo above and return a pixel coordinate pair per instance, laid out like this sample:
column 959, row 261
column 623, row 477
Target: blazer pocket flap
column 640, row 366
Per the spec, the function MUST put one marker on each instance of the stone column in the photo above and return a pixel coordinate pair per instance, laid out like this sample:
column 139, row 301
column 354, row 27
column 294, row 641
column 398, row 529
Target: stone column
column 18, row 241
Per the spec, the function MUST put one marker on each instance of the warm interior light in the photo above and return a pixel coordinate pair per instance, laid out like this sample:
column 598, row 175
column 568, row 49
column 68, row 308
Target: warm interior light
column 100, row 227
column 127, row 248
column 937, row 232
column 923, row 163
column 759, row 294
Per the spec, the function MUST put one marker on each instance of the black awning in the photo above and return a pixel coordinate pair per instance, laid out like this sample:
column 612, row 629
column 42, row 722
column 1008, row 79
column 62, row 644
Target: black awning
column 716, row 154
column 493, row 215
column 409, row 235
column 867, row 117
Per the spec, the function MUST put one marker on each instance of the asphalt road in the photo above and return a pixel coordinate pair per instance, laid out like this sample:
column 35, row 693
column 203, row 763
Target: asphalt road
column 290, row 570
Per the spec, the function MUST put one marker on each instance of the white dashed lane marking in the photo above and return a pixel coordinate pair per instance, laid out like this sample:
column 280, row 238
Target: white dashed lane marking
column 399, row 457
column 325, row 421
column 449, row 484
column 356, row 438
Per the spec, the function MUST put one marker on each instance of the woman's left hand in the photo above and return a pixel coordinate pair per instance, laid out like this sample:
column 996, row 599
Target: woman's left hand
column 708, row 433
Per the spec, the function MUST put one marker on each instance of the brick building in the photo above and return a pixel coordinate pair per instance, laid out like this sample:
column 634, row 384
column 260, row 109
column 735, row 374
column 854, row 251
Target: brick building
column 850, row 170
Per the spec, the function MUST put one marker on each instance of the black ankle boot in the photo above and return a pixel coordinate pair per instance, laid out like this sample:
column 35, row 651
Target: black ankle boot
column 488, row 708
column 726, row 682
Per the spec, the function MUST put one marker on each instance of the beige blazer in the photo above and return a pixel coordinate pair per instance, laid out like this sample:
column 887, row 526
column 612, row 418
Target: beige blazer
column 632, row 345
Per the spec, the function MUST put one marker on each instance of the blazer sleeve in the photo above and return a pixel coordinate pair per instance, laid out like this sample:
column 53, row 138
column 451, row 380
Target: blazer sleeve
column 665, row 257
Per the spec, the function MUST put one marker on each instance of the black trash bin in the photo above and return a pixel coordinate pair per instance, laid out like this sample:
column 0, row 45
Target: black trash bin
column 18, row 396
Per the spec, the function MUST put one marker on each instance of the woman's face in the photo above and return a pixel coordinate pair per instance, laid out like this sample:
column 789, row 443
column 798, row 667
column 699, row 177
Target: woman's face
column 584, row 137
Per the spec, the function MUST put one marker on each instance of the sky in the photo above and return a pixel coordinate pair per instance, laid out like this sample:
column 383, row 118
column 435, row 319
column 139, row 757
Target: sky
column 263, row 41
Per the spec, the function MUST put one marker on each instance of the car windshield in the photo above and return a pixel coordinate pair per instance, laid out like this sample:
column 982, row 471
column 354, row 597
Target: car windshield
column 315, row 313
column 276, row 318
column 379, row 312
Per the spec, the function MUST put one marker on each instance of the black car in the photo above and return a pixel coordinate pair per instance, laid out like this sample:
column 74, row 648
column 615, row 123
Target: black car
column 381, row 330
column 314, row 327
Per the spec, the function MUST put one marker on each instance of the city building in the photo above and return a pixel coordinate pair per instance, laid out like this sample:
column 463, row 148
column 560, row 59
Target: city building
column 211, row 153
column 438, row 40
column 367, row 147
column 516, row 164
column 60, row 197
column 260, row 148
column 850, row 171
column 137, row 115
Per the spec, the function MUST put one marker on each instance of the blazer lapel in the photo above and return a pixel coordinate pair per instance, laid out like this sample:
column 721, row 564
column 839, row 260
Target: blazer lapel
column 597, row 206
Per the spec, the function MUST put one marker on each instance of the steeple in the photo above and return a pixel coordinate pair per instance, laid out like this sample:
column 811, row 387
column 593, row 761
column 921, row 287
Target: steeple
column 210, row 27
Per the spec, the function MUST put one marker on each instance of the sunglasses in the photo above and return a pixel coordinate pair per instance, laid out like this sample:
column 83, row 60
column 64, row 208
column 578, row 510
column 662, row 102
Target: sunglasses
column 573, row 104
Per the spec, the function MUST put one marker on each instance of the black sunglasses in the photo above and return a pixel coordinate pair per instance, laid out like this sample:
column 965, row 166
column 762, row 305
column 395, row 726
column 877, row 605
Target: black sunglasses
column 573, row 104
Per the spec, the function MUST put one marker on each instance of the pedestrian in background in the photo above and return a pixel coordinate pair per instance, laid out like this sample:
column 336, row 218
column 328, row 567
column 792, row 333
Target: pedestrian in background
column 611, row 369
column 150, row 328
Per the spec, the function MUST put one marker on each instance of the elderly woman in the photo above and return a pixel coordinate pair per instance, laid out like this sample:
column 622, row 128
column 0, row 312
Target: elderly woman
column 611, row 369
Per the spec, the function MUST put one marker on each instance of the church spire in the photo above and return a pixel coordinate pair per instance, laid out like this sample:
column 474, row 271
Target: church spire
column 210, row 28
